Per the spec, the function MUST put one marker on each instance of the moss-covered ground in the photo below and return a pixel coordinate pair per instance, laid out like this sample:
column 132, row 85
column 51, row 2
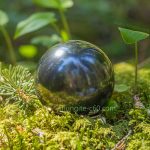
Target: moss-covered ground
column 123, row 127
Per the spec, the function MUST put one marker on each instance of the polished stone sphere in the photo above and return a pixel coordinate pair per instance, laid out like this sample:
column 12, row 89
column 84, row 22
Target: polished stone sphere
column 75, row 76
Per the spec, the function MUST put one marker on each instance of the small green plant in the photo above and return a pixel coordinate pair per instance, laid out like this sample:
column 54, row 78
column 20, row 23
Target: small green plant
column 17, row 86
column 35, row 22
column 42, row 19
column 133, row 37
column 3, row 22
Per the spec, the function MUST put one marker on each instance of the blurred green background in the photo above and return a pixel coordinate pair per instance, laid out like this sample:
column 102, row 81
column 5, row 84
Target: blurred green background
column 95, row 21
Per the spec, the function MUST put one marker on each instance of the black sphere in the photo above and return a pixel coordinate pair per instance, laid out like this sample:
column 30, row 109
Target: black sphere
column 75, row 76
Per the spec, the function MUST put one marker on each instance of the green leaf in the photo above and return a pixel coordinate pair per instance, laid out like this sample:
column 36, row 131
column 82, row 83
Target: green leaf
column 34, row 22
column 57, row 4
column 111, row 109
column 3, row 18
column 112, row 103
column 28, row 51
column 46, row 41
column 131, row 36
column 121, row 88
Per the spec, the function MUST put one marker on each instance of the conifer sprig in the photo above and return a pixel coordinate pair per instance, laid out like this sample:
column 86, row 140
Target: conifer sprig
column 17, row 85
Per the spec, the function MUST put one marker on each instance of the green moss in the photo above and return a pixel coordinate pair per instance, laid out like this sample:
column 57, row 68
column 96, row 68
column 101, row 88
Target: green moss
column 42, row 128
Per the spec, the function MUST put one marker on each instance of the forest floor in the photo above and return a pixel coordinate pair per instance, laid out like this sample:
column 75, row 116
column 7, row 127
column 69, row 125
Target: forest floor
column 126, row 126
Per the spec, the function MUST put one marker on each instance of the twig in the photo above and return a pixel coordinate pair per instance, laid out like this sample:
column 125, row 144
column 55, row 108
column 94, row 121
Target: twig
column 121, row 144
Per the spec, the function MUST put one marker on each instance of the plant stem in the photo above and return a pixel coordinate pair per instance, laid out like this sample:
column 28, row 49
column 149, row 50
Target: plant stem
column 136, row 65
column 65, row 23
column 9, row 45
column 56, row 28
